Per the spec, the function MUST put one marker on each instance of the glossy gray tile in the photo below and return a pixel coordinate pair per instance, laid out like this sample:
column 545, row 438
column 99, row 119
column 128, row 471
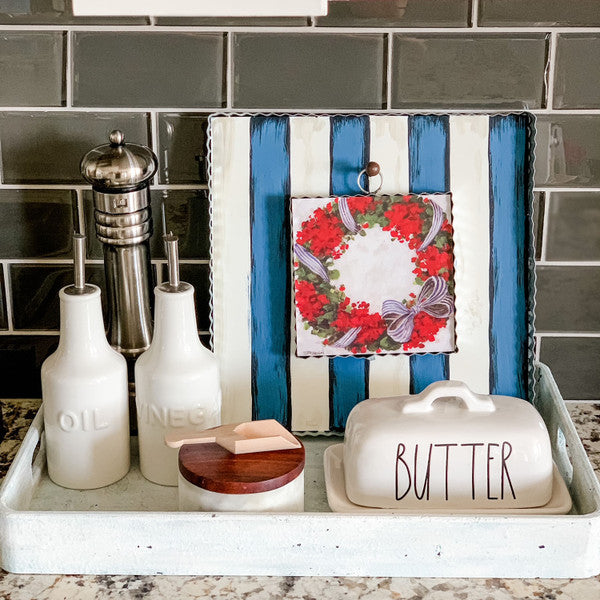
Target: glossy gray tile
column 573, row 226
column 21, row 359
column 539, row 203
column 491, row 71
column 524, row 13
column 186, row 216
column 47, row 147
column 198, row 276
column 567, row 299
column 308, row 70
column 574, row 364
column 396, row 13
column 35, row 290
column 182, row 148
column 31, row 68
column 154, row 69
column 49, row 12
column 577, row 82
column 3, row 314
column 36, row 223
column 567, row 151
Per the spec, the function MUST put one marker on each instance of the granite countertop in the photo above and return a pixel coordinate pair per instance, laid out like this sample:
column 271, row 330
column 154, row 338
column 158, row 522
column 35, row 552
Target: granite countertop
column 19, row 414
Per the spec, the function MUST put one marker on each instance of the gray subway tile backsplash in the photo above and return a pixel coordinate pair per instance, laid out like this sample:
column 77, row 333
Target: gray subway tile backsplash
column 36, row 223
column 567, row 150
column 186, row 213
column 198, row 276
column 35, row 293
column 168, row 81
column 527, row 13
column 182, row 148
column 46, row 147
column 467, row 71
column 396, row 13
column 154, row 69
column 574, row 364
column 308, row 70
column 576, row 84
column 21, row 359
column 187, row 217
column 573, row 226
column 567, row 299
column 31, row 68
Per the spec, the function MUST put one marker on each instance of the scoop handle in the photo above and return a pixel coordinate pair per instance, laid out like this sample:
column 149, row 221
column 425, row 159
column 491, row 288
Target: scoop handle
column 423, row 402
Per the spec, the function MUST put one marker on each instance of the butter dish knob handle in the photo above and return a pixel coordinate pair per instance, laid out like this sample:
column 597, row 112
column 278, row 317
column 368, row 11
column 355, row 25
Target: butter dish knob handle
column 423, row 402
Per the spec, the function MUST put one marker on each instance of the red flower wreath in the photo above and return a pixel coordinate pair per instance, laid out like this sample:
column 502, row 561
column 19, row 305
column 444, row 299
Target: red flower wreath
column 325, row 236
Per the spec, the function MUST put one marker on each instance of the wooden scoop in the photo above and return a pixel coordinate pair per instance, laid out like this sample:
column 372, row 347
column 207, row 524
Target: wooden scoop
column 240, row 438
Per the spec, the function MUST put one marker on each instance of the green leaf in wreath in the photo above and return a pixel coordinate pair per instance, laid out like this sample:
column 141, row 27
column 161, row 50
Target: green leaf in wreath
column 334, row 274
column 362, row 233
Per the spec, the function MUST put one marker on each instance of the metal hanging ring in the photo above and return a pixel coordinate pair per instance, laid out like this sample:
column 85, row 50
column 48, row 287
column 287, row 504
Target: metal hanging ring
column 372, row 170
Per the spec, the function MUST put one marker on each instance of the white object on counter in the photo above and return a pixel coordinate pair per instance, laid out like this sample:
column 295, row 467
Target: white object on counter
column 287, row 498
column 211, row 478
column 447, row 447
column 85, row 397
column 177, row 383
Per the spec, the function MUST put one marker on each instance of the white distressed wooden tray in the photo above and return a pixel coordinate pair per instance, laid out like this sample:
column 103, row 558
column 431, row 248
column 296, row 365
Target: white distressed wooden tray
column 132, row 527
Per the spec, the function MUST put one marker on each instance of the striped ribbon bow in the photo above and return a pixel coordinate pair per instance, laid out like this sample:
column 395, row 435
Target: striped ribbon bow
column 433, row 299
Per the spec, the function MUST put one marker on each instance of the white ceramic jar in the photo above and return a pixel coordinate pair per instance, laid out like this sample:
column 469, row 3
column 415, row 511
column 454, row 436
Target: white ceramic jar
column 85, row 398
column 213, row 479
column 177, row 383
column 447, row 448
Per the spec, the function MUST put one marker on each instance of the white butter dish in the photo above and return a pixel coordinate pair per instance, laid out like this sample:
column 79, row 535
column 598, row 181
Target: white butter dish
column 333, row 459
column 447, row 448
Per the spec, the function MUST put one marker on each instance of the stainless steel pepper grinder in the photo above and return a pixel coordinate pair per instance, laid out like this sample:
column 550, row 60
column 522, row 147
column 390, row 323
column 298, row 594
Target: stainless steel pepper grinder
column 120, row 175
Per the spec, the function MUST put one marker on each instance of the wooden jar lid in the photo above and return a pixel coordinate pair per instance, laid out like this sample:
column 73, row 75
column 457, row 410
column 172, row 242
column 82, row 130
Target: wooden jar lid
column 211, row 467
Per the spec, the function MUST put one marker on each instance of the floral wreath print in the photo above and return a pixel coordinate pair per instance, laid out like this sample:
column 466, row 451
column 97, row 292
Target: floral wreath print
column 351, row 324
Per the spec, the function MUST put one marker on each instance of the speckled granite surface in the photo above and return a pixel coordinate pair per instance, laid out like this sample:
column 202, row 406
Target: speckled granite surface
column 19, row 414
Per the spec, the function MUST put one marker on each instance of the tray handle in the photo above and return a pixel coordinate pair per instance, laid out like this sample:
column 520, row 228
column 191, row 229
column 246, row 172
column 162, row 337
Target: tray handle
column 423, row 402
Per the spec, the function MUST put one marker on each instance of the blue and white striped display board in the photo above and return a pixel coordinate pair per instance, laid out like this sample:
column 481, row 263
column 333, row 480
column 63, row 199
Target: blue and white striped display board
column 259, row 162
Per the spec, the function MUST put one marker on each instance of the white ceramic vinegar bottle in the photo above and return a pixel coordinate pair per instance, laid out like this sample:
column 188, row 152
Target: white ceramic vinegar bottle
column 177, row 379
column 84, row 392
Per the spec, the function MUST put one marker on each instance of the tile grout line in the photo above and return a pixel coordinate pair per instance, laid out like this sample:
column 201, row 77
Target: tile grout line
column 154, row 145
column 229, row 71
column 474, row 14
column 569, row 334
column 69, row 71
column 81, row 187
column 545, row 216
column 298, row 29
column 389, row 71
column 567, row 263
column 300, row 111
column 8, row 296
column 551, row 70
column 89, row 261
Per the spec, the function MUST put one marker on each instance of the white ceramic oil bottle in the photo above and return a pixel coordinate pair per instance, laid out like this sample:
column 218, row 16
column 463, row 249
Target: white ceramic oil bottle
column 176, row 379
column 84, row 392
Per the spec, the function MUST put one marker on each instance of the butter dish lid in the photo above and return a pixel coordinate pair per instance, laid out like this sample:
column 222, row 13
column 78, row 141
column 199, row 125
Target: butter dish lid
column 212, row 467
column 447, row 447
